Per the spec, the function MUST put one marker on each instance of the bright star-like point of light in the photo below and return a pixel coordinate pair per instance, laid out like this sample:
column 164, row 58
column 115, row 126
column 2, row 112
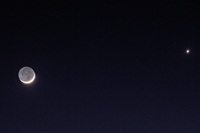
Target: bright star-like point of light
column 187, row 51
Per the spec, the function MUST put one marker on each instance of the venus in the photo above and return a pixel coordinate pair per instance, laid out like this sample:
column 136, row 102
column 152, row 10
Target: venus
column 26, row 75
column 187, row 51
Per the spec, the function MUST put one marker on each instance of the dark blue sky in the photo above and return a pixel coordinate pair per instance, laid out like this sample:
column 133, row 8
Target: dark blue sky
column 100, row 67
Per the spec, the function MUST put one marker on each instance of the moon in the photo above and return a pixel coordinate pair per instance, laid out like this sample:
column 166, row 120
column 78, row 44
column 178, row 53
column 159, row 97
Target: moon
column 26, row 75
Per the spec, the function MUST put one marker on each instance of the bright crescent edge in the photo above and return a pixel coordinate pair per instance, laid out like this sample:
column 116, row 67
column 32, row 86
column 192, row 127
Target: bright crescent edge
column 29, row 81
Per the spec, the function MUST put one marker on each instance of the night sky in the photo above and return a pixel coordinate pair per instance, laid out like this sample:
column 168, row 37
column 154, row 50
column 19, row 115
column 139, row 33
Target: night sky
column 100, row 67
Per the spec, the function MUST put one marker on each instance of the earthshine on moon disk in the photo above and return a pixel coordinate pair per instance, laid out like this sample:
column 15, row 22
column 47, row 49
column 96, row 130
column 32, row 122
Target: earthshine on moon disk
column 26, row 75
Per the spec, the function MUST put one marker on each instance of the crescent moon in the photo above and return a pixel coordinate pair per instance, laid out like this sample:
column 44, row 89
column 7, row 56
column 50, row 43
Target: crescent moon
column 26, row 75
column 28, row 82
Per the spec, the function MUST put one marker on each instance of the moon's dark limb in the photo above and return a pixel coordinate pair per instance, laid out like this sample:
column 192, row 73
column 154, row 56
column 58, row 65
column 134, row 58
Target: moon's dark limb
column 26, row 75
